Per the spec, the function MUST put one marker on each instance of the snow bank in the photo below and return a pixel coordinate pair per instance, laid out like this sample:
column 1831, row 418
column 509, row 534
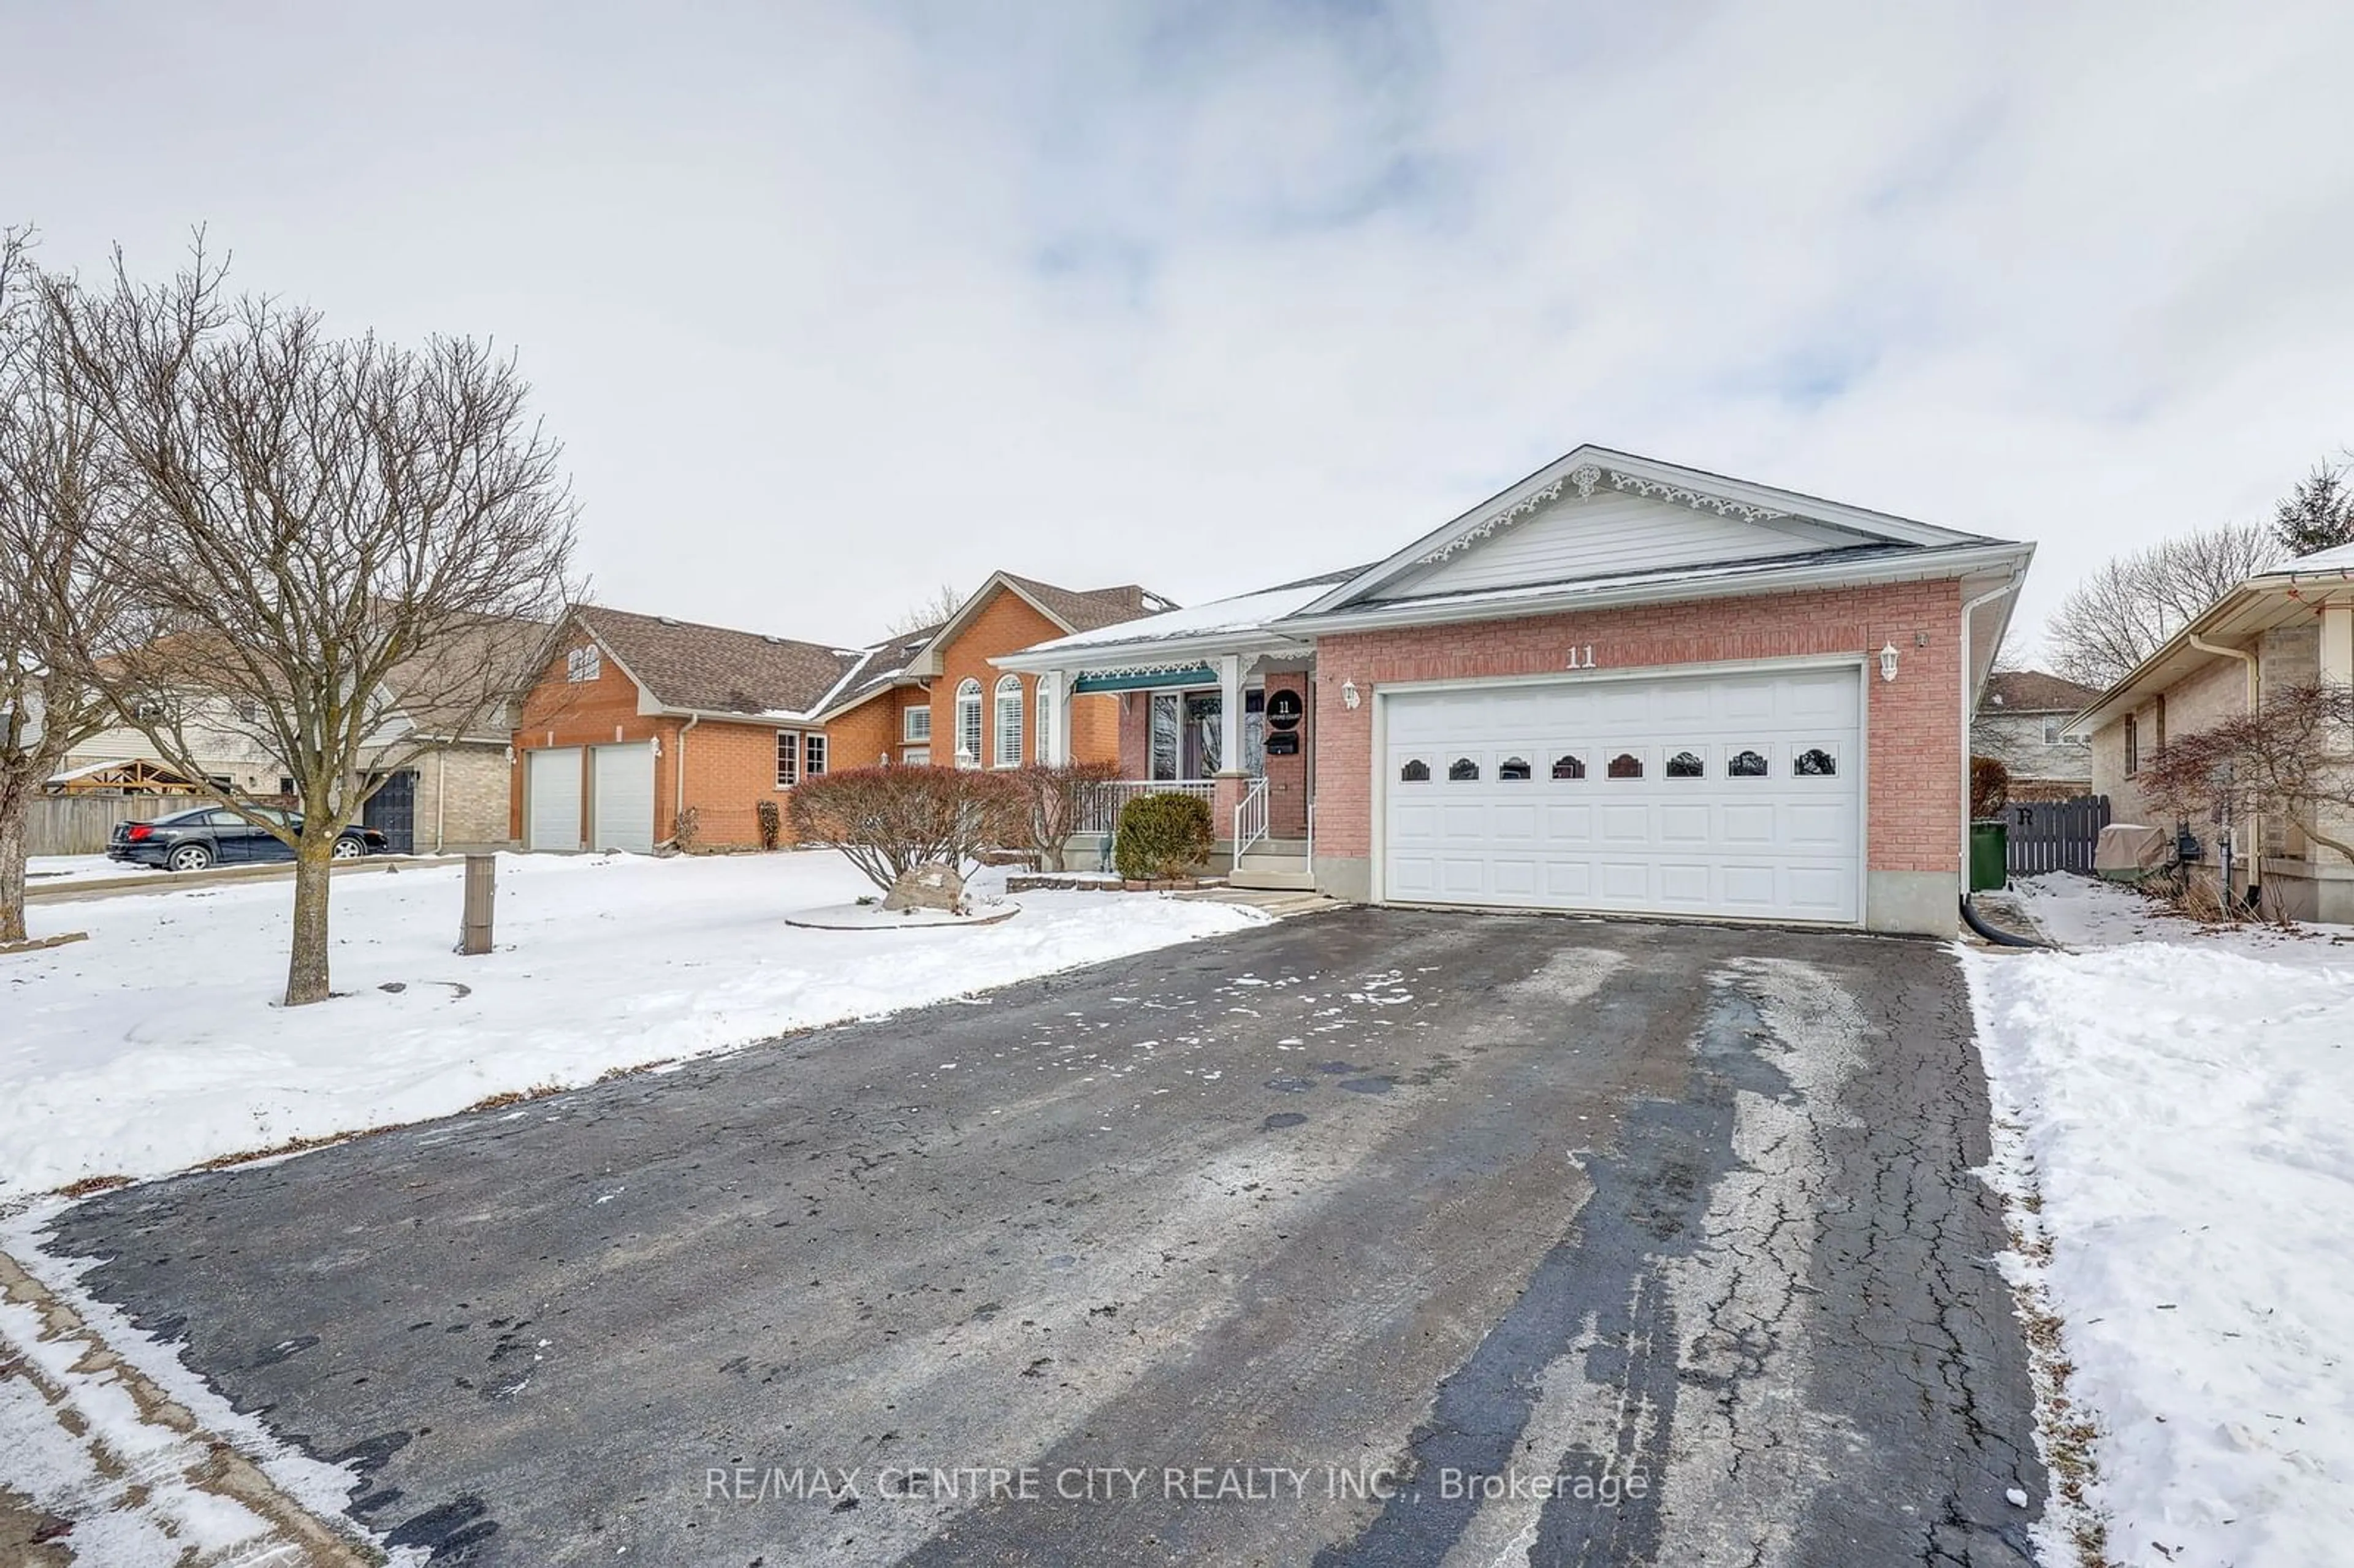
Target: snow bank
column 2188, row 1107
column 156, row 1045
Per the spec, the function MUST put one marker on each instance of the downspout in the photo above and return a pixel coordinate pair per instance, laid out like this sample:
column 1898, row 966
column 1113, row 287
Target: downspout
column 1969, row 607
column 678, row 775
column 2256, row 821
column 441, row 797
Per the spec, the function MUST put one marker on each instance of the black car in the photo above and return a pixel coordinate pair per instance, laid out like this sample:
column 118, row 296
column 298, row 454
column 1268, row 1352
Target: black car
column 215, row 835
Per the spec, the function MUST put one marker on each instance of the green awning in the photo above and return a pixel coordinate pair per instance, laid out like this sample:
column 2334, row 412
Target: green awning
column 1145, row 680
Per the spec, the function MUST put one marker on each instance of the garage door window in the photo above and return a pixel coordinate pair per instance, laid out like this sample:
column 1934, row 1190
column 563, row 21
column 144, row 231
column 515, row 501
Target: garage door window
column 1687, row 764
column 1569, row 765
column 1745, row 764
column 1513, row 769
column 1626, row 764
column 1415, row 771
column 1817, row 762
column 1463, row 771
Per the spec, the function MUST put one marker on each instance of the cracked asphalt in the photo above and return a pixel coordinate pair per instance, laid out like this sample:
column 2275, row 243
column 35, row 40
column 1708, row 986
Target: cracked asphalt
column 1375, row 1237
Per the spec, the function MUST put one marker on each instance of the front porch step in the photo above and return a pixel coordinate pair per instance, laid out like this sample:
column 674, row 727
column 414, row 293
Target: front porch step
column 1273, row 872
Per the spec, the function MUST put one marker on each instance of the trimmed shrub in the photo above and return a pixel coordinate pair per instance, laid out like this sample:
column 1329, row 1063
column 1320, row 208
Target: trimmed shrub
column 1163, row 836
column 1053, row 798
column 771, row 818
column 887, row 821
column 686, row 827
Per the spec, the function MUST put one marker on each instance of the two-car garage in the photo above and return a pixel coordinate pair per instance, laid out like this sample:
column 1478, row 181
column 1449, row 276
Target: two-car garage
column 1726, row 794
column 595, row 796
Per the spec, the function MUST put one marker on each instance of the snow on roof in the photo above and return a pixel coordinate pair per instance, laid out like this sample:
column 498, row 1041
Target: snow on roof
column 2337, row 558
column 1244, row 612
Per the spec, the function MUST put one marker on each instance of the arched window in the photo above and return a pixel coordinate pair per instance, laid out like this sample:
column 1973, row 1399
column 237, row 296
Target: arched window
column 1626, row 764
column 1745, row 765
column 1569, row 765
column 1463, row 770
column 1513, row 769
column 1816, row 763
column 1686, row 765
column 1009, row 721
column 1415, row 771
column 968, row 723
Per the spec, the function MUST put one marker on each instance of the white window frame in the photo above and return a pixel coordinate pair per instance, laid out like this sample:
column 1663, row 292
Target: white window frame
column 788, row 758
column 915, row 725
column 1007, row 728
column 1041, row 727
column 813, row 750
column 969, row 737
column 584, row 664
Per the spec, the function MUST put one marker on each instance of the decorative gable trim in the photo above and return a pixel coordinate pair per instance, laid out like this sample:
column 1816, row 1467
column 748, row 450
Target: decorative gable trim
column 1589, row 469
column 1586, row 479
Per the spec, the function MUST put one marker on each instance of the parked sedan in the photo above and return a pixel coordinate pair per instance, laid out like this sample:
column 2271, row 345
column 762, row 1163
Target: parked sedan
column 214, row 835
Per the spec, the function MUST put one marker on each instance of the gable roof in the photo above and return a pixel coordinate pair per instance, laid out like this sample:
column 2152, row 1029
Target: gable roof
column 917, row 656
column 1739, row 528
column 2282, row 596
column 2033, row 692
column 1223, row 620
column 693, row 668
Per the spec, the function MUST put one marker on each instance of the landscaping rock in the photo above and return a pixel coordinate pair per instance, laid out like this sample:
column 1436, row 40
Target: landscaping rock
column 932, row 886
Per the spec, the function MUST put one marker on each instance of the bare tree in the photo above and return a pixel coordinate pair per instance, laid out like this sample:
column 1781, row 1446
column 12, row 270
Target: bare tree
column 2291, row 759
column 346, row 548
column 2127, row 609
column 927, row 612
column 54, row 603
column 2319, row 514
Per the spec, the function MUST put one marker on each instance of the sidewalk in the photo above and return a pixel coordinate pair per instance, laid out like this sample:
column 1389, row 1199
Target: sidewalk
column 166, row 882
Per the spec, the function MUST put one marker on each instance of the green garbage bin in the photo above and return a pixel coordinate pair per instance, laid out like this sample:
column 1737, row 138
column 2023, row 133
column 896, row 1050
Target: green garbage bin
column 1990, row 855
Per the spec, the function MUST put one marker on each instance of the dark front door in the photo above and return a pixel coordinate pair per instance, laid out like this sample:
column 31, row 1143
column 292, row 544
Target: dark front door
column 392, row 810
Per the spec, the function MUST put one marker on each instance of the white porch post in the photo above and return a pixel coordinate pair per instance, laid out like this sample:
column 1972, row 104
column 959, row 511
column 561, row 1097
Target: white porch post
column 1230, row 713
column 1054, row 689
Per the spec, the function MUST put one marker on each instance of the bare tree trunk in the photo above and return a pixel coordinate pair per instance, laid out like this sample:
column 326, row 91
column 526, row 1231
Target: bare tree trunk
column 14, row 804
column 306, row 970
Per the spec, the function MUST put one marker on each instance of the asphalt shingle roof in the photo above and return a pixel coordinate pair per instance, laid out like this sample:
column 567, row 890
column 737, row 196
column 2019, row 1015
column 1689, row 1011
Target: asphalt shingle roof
column 714, row 670
column 2033, row 692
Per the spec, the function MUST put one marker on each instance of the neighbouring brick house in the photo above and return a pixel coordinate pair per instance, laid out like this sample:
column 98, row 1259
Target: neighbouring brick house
column 2293, row 626
column 933, row 695
column 1619, row 686
column 636, row 716
column 2022, row 723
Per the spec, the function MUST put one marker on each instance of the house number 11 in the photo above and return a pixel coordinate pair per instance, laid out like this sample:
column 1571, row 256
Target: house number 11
column 1582, row 657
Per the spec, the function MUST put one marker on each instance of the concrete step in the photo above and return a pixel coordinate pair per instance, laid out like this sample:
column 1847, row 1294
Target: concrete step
column 1290, row 877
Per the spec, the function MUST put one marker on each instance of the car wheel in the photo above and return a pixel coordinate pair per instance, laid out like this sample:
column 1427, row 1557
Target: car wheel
column 349, row 849
column 189, row 857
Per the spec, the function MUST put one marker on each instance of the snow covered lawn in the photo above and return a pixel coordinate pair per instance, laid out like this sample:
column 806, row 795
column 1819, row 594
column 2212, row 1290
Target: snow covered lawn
column 158, row 1044
column 2184, row 1101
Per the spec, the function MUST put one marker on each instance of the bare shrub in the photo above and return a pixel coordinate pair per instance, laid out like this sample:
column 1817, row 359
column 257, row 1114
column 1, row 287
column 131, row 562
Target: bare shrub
column 888, row 821
column 1052, row 801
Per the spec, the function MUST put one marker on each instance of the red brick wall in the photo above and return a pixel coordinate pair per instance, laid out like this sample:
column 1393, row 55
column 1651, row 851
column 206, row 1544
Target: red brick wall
column 562, row 712
column 1913, row 725
column 1007, row 624
column 730, row 769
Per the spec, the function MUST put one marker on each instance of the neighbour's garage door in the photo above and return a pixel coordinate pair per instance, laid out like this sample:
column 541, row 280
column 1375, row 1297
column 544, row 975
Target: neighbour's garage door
column 552, row 797
column 623, row 801
column 1718, row 795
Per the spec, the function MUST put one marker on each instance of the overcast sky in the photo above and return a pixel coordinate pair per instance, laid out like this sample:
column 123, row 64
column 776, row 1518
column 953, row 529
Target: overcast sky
column 831, row 304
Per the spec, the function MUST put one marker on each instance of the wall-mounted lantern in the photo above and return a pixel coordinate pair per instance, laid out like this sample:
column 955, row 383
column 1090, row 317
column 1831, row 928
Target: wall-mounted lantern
column 1349, row 697
column 1887, row 662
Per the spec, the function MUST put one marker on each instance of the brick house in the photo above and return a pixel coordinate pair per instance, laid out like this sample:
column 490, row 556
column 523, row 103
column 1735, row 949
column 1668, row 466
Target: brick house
column 933, row 695
column 1619, row 686
column 2022, row 723
column 635, row 717
column 2292, row 626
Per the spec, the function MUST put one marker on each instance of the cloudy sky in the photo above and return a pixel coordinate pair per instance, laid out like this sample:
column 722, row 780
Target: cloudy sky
column 833, row 302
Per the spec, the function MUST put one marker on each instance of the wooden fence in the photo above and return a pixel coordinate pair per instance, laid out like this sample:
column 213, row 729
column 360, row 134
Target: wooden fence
column 2055, row 835
column 80, row 824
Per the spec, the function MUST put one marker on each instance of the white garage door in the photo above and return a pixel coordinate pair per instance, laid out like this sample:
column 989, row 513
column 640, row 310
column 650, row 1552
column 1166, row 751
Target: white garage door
column 623, row 802
column 1719, row 795
column 552, row 788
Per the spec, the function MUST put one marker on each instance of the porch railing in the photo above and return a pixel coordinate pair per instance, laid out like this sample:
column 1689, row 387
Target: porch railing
column 1250, row 818
column 1099, row 813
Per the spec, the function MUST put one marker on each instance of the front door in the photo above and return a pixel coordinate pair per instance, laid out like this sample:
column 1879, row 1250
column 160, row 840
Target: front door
column 392, row 810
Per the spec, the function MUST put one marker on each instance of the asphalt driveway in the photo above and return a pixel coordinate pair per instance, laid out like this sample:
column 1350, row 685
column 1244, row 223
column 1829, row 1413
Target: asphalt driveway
column 1374, row 1237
